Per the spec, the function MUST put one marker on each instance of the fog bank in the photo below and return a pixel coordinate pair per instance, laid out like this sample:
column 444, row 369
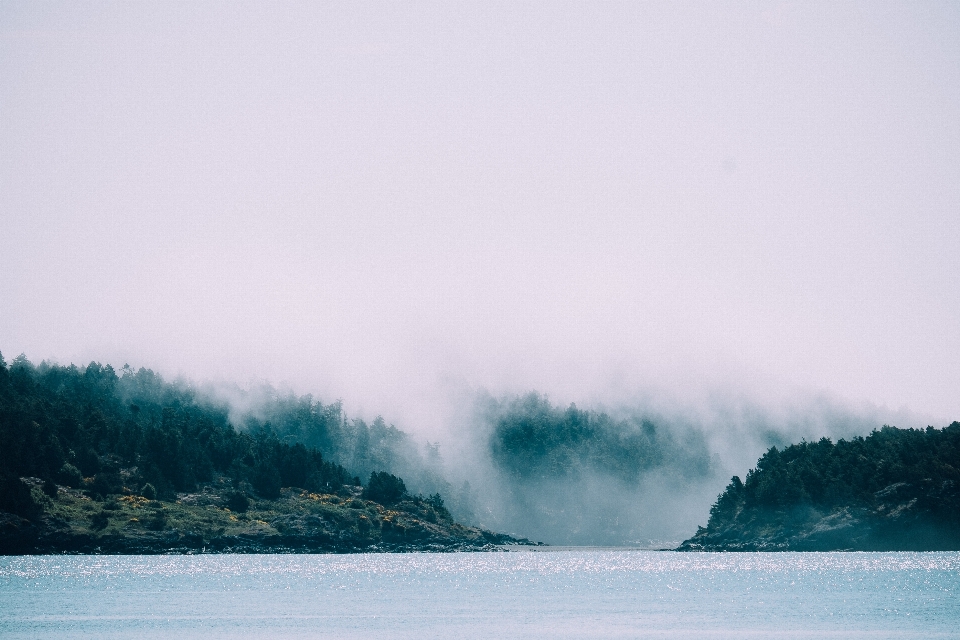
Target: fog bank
column 738, row 221
column 640, row 473
column 638, row 470
column 367, row 201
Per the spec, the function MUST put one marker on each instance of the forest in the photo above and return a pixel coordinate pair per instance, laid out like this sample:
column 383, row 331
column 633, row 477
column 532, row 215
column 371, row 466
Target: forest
column 564, row 474
column 92, row 428
column 92, row 461
column 534, row 440
column 894, row 489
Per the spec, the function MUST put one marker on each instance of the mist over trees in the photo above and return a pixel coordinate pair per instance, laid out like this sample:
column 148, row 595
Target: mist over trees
column 136, row 432
column 894, row 489
column 575, row 476
column 110, row 432
column 533, row 439
column 362, row 447
column 561, row 474
column 565, row 474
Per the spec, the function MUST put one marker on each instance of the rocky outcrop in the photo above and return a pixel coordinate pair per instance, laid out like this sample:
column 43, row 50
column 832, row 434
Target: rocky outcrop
column 894, row 490
column 185, row 542
column 297, row 522
column 899, row 518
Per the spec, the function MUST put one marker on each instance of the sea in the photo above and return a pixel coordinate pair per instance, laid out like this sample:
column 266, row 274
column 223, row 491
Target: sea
column 566, row 593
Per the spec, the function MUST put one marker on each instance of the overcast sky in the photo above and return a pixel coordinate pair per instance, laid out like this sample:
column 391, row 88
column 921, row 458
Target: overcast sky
column 379, row 202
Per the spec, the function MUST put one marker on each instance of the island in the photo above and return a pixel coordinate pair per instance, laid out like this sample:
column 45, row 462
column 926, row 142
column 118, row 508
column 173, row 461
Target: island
column 894, row 490
column 93, row 462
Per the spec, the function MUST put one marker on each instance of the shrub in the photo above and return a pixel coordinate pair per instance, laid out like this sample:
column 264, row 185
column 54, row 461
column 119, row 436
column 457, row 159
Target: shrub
column 100, row 520
column 50, row 488
column 107, row 482
column 157, row 521
column 266, row 481
column 385, row 488
column 70, row 476
column 149, row 492
column 238, row 502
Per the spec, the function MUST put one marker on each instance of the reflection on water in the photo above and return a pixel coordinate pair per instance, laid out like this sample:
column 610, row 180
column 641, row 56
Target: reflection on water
column 566, row 594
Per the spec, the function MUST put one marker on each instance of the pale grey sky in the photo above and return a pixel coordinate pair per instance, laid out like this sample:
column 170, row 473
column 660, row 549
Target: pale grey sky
column 376, row 201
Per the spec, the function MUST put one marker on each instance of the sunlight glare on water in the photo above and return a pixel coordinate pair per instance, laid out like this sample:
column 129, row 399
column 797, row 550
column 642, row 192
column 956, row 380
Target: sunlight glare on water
column 560, row 594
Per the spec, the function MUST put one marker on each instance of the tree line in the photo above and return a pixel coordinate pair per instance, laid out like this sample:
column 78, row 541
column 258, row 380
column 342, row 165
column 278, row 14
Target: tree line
column 531, row 439
column 106, row 432
column 919, row 467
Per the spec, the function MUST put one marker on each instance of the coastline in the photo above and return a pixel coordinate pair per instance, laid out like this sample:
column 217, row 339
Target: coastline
column 298, row 521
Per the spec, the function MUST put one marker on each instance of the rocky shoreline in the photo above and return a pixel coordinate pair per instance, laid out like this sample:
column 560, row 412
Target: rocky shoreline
column 894, row 490
column 19, row 536
column 297, row 522
column 898, row 519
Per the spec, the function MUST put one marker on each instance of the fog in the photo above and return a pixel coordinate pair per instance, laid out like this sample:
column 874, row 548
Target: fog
column 739, row 218
column 642, row 472
column 703, row 441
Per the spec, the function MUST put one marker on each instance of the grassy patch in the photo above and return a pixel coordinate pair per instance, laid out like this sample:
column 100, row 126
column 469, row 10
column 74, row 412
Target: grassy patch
column 296, row 512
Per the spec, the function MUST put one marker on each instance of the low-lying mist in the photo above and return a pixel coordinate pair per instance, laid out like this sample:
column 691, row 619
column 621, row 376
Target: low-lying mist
column 617, row 473
column 635, row 471
column 642, row 474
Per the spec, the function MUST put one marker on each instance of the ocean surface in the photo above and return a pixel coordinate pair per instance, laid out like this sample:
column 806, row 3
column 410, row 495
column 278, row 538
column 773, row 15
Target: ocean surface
column 530, row 594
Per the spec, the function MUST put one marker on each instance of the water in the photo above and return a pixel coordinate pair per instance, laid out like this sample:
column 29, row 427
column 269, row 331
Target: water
column 561, row 594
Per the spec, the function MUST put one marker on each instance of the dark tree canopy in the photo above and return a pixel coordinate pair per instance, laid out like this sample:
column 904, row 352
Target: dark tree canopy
column 826, row 475
column 92, row 428
column 385, row 488
column 532, row 439
column 895, row 489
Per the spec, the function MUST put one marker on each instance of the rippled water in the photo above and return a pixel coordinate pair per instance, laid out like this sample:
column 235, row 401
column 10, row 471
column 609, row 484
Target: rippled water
column 561, row 594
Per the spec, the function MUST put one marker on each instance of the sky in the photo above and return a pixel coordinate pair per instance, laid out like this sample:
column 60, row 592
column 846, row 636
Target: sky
column 389, row 203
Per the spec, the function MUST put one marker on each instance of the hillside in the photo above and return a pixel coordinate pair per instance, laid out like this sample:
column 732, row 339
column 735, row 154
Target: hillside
column 897, row 489
column 95, row 462
column 297, row 522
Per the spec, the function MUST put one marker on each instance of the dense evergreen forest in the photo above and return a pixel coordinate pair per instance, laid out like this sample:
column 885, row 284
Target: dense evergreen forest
column 64, row 424
column 361, row 447
column 96, row 462
column 894, row 489
column 567, row 475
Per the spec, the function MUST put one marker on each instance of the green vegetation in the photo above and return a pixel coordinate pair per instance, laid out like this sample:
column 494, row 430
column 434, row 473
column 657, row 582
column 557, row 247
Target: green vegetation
column 897, row 489
column 298, row 520
column 92, row 460
column 361, row 447
column 112, row 434
column 128, row 463
column 385, row 488
column 574, row 476
column 532, row 439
